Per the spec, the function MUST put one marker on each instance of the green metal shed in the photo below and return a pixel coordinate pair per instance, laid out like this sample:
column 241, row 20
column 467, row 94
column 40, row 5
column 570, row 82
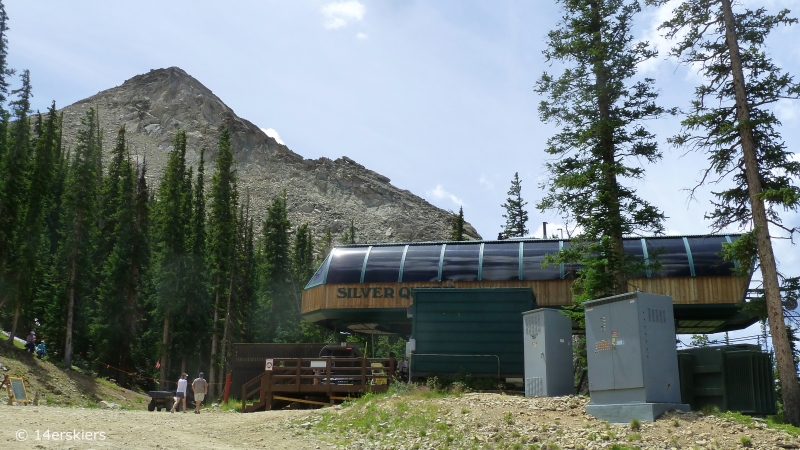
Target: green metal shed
column 475, row 331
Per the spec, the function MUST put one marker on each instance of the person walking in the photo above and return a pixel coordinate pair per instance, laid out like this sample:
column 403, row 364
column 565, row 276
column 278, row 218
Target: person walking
column 200, row 389
column 402, row 366
column 30, row 342
column 180, row 394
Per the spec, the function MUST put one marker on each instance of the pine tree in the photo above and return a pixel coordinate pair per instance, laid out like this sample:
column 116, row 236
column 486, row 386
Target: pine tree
column 600, row 109
column 731, row 121
column 173, row 217
column 119, row 297
column 516, row 216
column 349, row 235
column 276, row 290
column 325, row 246
column 79, row 242
column 192, row 326
column 457, row 225
column 221, row 242
column 16, row 244
column 32, row 242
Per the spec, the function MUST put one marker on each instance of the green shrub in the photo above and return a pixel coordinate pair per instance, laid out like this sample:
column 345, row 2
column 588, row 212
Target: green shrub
column 636, row 425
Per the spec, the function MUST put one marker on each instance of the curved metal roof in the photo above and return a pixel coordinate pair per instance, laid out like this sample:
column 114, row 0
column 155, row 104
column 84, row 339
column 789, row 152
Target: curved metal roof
column 517, row 259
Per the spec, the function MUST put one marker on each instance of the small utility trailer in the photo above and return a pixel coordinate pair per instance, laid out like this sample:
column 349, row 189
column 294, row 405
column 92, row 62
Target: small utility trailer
column 165, row 399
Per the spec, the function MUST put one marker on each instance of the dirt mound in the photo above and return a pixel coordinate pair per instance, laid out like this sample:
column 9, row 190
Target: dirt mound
column 56, row 386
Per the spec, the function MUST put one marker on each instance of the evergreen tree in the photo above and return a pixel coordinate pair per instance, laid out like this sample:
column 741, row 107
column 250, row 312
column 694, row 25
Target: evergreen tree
column 600, row 109
column 516, row 216
column 457, row 225
column 349, row 235
column 325, row 246
column 731, row 121
column 194, row 323
column 173, row 217
column 119, row 298
column 276, row 290
column 76, row 267
column 221, row 242
column 16, row 244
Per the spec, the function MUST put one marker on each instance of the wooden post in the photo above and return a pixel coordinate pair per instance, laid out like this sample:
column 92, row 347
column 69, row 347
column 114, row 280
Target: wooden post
column 328, row 373
column 297, row 375
column 227, row 387
column 364, row 372
column 266, row 390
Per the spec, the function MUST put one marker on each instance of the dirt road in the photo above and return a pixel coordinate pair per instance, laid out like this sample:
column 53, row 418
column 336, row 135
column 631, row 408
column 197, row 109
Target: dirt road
column 57, row 427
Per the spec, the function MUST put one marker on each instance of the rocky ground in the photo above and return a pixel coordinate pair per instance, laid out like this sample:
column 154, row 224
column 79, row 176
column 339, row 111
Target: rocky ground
column 492, row 421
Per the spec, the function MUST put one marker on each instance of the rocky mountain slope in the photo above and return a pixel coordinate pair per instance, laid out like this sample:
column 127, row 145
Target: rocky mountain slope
column 324, row 193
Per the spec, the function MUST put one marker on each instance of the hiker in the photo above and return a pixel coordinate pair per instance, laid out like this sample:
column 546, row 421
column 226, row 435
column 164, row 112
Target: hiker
column 200, row 389
column 30, row 342
column 402, row 366
column 41, row 349
column 180, row 394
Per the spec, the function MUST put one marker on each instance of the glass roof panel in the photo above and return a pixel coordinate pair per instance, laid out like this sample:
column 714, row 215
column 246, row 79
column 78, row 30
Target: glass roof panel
column 422, row 263
column 500, row 261
column 532, row 257
column 383, row 264
column 671, row 253
column 633, row 247
column 461, row 262
column 707, row 256
column 346, row 265
column 319, row 275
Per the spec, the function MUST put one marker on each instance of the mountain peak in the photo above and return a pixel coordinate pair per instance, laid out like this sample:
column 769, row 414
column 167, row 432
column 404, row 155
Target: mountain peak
column 325, row 193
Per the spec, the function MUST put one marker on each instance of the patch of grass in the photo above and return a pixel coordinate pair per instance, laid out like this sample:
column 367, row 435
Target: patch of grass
column 92, row 405
column 552, row 446
column 620, row 447
column 673, row 442
column 139, row 399
column 592, row 436
column 636, row 425
column 737, row 417
column 709, row 410
column 508, row 418
column 633, row 437
column 465, row 411
column 746, row 441
column 676, row 423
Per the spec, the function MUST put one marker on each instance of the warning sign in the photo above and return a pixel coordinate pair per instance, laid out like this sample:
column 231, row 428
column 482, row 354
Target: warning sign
column 268, row 366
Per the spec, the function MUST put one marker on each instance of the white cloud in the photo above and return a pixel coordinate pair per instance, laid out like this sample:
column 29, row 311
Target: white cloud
column 484, row 181
column 273, row 134
column 440, row 193
column 361, row 36
column 656, row 38
column 339, row 14
column 787, row 110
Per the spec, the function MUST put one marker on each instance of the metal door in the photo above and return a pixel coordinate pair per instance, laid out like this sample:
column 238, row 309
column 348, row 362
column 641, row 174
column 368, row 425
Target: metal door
column 598, row 351
column 626, row 351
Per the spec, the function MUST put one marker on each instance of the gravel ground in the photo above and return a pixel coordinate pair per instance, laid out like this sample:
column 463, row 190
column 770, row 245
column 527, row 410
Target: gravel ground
column 146, row 430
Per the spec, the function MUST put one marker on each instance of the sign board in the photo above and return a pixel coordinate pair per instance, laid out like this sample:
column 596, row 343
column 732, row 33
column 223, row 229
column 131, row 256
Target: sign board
column 268, row 366
column 319, row 364
column 18, row 388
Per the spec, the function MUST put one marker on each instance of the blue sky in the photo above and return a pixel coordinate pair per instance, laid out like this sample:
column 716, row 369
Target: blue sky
column 436, row 95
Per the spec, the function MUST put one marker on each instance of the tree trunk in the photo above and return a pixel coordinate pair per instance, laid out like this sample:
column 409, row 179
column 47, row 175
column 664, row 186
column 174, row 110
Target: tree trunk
column 162, row 375
column 70, row 313
column 14, row 326
column 769, row 271
column 226, row 329
column 608, row 154
column 214, row 343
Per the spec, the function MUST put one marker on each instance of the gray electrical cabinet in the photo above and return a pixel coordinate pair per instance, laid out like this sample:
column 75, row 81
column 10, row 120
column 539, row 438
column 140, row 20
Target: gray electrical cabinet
column 548, row 353
column 630, row 346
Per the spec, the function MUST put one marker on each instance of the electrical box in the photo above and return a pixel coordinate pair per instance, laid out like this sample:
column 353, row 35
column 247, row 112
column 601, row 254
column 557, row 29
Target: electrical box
column 548, row 353
column 630, row 346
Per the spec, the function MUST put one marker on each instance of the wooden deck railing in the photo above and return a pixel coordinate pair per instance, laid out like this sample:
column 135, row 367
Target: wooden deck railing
column 320, row 376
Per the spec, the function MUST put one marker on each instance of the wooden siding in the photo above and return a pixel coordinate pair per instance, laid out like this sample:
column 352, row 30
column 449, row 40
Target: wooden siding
column 686, row 290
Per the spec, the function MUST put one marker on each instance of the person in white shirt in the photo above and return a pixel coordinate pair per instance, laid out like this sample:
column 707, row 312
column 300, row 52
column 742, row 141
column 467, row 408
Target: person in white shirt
column 402, row 367
column 180, row 393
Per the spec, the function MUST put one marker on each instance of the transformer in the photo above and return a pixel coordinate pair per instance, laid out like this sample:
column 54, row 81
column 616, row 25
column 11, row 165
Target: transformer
column 548, row 353
column 633, row 362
